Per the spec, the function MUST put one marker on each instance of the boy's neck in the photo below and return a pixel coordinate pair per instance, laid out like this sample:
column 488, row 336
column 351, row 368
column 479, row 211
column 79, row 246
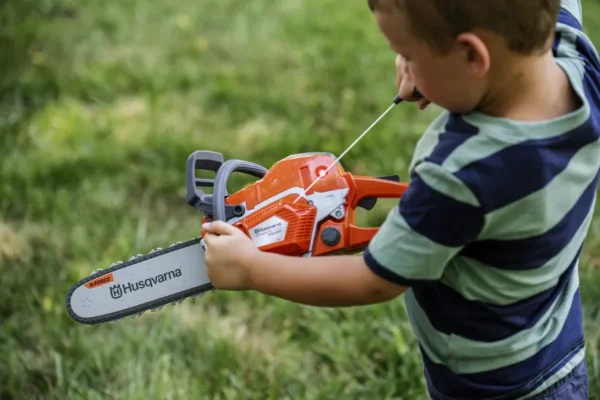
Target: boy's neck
column 529, row 89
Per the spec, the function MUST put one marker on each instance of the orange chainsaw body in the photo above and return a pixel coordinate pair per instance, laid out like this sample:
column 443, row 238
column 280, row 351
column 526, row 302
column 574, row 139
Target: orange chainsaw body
column 322, row 222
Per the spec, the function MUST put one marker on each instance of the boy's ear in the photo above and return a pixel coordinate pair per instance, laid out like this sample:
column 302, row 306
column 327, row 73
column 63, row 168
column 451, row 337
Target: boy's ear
column 475, row 52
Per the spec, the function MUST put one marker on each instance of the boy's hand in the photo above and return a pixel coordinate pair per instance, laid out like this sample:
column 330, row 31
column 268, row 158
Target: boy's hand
column 228, row 252
column 406, row 85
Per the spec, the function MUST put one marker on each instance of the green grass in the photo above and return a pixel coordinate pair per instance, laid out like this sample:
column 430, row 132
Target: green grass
column 102, row 102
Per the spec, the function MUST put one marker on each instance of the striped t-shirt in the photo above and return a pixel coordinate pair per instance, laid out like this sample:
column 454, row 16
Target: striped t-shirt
column 488, row 238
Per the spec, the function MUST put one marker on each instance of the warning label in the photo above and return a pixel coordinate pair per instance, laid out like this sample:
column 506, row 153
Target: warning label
column 269, row 231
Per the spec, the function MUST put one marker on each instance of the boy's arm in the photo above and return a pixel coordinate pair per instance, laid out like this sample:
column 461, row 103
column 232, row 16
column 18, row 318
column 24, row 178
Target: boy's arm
column 334, row 281
column 234, row 263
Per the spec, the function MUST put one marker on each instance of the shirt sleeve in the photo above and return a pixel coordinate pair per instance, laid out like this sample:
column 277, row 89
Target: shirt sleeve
column 571, row 44
column 436, row 217
column 574, row 8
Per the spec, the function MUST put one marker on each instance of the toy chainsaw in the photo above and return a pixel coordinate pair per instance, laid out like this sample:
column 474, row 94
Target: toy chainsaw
column 276, row 212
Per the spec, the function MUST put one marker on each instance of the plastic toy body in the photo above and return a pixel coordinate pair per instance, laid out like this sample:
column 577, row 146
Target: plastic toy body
column 276, row 213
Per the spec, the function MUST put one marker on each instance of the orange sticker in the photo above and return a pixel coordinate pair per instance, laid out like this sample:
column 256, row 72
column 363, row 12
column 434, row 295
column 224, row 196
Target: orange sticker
column 103, row 280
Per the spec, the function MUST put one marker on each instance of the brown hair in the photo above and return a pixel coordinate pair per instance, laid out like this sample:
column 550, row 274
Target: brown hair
column 527, row 25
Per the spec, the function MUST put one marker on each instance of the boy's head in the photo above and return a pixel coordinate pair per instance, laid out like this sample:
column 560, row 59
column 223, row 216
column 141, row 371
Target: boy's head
column 455, row 50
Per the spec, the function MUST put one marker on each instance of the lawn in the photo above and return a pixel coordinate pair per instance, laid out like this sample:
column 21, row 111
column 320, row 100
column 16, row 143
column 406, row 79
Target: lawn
column 101, row 102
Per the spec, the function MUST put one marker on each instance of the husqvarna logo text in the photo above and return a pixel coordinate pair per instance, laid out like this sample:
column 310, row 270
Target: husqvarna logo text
column 267, row 228
column 118, row 290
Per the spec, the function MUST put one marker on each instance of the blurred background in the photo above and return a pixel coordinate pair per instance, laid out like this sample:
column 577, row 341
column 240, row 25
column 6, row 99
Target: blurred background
column 101, row 103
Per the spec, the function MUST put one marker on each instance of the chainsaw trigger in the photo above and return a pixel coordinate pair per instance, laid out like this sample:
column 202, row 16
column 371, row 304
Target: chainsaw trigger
column 394, row 178
column 368, row 203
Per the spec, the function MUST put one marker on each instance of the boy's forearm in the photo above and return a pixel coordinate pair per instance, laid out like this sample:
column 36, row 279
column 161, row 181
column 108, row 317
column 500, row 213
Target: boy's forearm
column 333, row 281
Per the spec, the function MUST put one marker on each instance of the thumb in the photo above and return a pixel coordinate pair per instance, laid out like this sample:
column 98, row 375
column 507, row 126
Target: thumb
column 219, row 228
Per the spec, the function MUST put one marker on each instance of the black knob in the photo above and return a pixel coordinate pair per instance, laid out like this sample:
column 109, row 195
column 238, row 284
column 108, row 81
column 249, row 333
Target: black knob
column 331, row 236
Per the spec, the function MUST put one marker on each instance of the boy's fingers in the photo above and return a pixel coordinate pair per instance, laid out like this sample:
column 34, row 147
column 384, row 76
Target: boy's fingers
column 208, row 237
column 423, row 103
column 219, row 228
column 211, row 239
column 399, row 61
column 407, row 89
column 406, row 86
column 400, row 73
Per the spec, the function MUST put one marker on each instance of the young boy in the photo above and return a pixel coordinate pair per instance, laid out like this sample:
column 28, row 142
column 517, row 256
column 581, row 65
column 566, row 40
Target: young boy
column 485, row 243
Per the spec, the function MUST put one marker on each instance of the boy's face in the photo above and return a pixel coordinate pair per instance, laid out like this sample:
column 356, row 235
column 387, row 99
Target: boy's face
column 454, row 81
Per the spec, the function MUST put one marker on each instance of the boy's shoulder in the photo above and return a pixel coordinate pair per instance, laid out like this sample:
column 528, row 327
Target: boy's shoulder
column 495, row 162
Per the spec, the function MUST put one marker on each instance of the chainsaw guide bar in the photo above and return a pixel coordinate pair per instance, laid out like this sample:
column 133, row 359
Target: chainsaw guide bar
column 98, row 297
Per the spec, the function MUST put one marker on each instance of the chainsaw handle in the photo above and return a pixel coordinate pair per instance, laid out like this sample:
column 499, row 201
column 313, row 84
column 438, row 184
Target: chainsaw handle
column 368, row 187
column 206, row 161
column 343, row 235
column 220, row 184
